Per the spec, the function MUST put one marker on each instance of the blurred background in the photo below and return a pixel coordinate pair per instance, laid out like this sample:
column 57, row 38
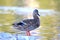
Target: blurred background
column 15, row 10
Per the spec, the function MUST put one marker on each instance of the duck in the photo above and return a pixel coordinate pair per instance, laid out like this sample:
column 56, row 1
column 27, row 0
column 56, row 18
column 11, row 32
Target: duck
column 28, row 24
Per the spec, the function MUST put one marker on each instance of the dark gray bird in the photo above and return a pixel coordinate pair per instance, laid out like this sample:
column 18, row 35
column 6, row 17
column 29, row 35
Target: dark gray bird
column 28, row 24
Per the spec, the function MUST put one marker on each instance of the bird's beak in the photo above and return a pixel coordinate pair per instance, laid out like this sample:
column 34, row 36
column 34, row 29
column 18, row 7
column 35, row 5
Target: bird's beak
column 38, row 14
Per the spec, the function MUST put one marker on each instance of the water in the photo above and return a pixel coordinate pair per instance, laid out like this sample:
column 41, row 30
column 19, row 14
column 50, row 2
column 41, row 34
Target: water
column 8, row 36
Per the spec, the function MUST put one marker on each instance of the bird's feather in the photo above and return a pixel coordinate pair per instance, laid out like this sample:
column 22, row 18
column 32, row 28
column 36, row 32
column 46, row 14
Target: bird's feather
column 29, row 24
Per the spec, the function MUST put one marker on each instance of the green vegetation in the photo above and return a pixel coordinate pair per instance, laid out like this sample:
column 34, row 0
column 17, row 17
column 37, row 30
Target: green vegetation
column 6, row 21
column 46, row 4
column 11, row 3
column 48, row 29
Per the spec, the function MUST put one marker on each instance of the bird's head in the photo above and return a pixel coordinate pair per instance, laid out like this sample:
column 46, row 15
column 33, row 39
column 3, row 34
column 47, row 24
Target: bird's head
column 35, row 12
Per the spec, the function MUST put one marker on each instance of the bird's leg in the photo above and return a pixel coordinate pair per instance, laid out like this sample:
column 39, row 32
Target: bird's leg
column 28, row 33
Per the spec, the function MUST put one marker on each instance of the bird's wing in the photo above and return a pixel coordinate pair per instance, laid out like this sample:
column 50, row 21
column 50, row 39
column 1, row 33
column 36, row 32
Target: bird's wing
column 28, row 21
column 21, row 23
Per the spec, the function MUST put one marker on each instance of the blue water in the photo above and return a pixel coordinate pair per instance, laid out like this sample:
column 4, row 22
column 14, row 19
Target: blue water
column 8, row 36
